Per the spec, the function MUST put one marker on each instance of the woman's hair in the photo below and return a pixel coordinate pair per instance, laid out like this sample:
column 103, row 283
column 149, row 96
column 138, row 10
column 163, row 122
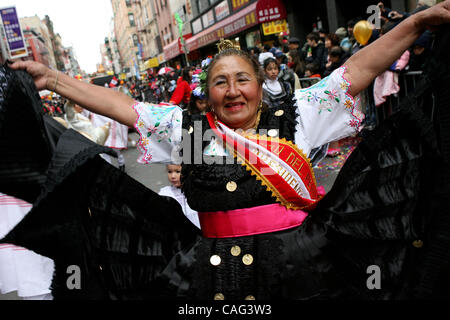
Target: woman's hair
column 312, row 67
column 298, row 62
column 269, row 61
column 192, row 105
column 314, row 36
column 336, row 51
column 259, row 73
column 185, row 74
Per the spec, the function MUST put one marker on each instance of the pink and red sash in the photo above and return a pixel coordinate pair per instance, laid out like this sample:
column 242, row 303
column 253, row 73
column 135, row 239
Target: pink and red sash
column 278, row 164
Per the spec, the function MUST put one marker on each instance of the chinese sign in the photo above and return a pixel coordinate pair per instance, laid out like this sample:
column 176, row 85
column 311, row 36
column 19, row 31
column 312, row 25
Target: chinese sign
column 15, row 42
column 237, row 4
column 270, row 10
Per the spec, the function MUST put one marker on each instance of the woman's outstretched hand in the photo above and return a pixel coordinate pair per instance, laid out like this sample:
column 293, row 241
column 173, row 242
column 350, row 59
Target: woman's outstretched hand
column 40, row 73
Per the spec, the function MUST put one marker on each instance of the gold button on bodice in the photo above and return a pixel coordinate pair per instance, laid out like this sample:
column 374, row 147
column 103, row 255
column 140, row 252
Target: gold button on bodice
column 235, row 251
column 279, row 113
column 250, row 297
column 215, row 260
column 418, row 243
column 247, row 259
column 219, row 296
column 231, row 186
column 272, row 133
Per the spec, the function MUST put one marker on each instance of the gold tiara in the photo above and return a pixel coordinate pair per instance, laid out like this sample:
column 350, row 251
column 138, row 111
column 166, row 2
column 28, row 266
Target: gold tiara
column 226, row 44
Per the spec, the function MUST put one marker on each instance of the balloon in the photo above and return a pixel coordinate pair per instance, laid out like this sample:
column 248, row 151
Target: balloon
column 362, row 32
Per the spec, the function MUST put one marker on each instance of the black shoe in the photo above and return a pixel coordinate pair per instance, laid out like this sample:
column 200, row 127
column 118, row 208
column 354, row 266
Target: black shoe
column 122, row 168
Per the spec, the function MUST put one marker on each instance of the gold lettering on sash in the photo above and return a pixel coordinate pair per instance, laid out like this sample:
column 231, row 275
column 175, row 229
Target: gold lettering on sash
column 300, row 168
column 293, row 155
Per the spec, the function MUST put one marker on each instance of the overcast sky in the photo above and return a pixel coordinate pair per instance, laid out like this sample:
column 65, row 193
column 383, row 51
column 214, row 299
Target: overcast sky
column 82, row 24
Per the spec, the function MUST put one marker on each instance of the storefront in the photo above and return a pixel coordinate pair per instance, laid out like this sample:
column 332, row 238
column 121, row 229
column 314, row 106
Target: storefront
column 248, row 24
column 271, row 15
column 233, row 27
column 174, row 53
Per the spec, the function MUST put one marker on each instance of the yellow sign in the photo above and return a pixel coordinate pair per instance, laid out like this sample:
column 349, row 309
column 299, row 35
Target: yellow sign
column 161, row 58
column 237, row 4
column 122, row 76
column 276, row 26
column 151, row 63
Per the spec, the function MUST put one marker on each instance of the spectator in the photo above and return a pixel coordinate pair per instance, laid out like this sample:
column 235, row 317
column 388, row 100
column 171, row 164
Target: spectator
column 294, row 44
column 312, row 71
column 345, row 42
column 296, row 63
column 182, row 92
column 322, row 35
column 286, row 74
column 335, row 60
column 420, row 51
column 331, row 40
column 275, row 90
column 174, row 191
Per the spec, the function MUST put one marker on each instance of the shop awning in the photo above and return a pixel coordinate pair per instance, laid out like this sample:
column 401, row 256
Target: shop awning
column 171, row 50
column 270, row 10
column 244, row 19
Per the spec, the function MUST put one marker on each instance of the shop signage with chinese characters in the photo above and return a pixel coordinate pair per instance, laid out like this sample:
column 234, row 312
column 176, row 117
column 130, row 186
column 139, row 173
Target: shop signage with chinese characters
column 274, row 27
column 238, row 4
column 270, row 10
column 244, row 19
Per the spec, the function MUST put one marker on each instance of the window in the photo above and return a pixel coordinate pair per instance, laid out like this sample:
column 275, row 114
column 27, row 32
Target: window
column 128, row 3
column 200, row 5
column 131, row 19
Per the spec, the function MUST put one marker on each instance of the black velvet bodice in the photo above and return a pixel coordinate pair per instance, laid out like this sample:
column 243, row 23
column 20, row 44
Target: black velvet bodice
column 205, row 184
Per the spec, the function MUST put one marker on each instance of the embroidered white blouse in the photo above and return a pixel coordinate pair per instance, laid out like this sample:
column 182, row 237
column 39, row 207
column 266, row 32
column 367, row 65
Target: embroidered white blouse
column 326, row 112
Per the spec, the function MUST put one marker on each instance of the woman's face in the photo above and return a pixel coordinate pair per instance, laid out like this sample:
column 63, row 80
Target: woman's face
column 327, row 43
column 201, row 104
column 234, row 92
column 272, row 71
column 174, row 173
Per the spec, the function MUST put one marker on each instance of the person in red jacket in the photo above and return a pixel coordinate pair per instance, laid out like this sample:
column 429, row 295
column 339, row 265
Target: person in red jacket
column 182, row 92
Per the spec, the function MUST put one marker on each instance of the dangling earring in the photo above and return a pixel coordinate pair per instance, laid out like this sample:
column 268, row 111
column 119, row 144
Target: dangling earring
column 258, row 117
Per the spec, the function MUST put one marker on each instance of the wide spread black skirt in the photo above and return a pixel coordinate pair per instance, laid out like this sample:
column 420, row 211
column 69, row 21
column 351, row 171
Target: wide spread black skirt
column 382, row 232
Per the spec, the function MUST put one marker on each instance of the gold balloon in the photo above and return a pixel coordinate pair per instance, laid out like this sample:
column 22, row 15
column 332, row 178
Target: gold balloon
column 362, row 32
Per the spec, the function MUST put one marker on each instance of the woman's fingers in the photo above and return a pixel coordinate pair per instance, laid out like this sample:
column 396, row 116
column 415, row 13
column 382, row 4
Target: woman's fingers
column 37, row 70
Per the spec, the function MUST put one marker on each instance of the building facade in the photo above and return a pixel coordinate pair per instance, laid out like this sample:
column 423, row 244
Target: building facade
column 147, row 28
column 37, row 49
column 126, row 35
column 35, row 24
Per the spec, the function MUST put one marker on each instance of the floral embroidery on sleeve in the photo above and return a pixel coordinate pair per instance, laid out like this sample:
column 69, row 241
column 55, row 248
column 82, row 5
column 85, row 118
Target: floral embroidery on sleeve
column 327, row 98
column 327, row 112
